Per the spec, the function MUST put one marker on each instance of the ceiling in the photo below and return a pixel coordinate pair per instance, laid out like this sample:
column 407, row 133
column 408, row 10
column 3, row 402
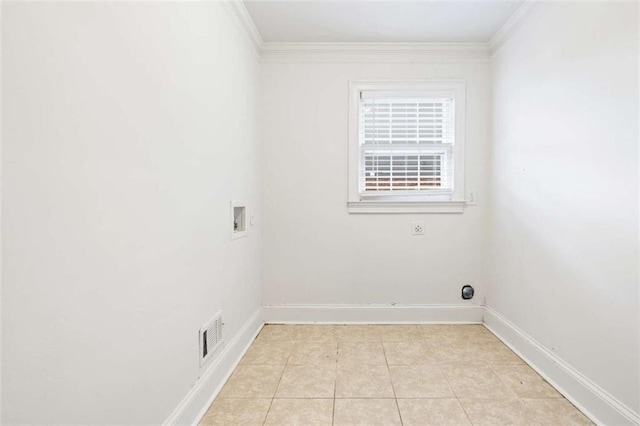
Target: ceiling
column 379, row 21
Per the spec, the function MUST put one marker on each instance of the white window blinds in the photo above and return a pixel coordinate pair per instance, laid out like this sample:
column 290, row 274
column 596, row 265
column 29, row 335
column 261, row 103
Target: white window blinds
column 406, row 143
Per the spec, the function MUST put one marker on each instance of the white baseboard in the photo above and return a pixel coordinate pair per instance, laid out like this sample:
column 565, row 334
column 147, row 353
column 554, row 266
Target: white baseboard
column 597, row 404
column 195, row 404
column 372, row 314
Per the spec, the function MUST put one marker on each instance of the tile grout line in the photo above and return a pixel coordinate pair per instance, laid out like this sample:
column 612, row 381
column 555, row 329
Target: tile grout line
column 455, row 394
column 463, row 410
column 335, row 384
column 278, row 385
column 504, row 382
column 393, row 388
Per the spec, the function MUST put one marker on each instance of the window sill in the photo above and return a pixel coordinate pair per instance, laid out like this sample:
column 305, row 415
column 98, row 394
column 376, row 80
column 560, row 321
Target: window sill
column 391, row 207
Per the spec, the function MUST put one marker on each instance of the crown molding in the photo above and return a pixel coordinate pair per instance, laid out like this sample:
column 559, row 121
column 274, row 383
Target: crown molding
column 375, row 52
column 243, row 20
column 369, row 52
column 519, row 18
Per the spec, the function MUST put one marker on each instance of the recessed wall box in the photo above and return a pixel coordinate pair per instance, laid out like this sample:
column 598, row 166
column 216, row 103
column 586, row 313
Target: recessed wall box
column 238, row 220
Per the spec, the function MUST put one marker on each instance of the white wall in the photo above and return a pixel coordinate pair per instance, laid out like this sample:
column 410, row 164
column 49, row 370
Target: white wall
column 127, row 129
column 314, row 252
column 564, row 188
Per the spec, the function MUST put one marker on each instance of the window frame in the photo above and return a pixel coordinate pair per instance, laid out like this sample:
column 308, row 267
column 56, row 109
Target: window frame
column 418, row 203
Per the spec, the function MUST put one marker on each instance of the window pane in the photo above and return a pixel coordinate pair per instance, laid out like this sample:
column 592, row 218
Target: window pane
column 402, row 172
column 406, row 121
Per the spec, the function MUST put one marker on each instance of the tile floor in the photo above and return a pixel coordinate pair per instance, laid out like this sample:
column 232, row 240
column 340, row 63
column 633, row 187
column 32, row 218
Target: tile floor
column 386, row 375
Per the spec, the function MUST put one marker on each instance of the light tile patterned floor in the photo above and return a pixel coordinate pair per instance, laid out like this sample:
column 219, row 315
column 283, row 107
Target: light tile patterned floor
column 386, row 375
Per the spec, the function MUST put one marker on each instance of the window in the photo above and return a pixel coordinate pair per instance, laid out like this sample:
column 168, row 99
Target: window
column 406, row 151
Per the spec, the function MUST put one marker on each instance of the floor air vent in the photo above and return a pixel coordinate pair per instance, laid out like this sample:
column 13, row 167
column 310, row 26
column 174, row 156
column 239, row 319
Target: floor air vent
column 210, row 338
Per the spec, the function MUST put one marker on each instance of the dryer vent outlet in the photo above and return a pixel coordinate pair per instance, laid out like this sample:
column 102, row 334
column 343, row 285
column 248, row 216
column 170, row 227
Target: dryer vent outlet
column 467, row 292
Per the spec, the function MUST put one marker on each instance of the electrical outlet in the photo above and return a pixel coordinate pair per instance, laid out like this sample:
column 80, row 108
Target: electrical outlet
column 417, row 228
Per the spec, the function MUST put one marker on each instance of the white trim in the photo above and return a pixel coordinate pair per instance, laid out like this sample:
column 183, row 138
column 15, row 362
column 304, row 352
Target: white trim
column 375, row 52
column 519, row 18
column 195, row 404
column 384, row 207
column 355, row 203
column 596, row 403
column 1, row 203
column 245, row 24
column 373, row 314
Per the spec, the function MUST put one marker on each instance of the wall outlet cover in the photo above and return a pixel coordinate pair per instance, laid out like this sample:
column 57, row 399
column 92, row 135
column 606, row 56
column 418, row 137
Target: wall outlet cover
column 417, row 228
